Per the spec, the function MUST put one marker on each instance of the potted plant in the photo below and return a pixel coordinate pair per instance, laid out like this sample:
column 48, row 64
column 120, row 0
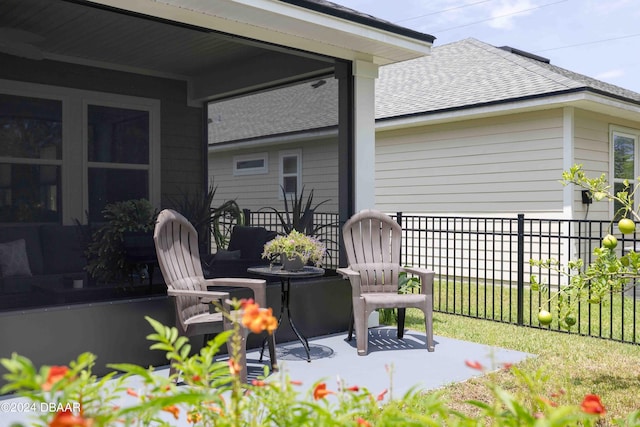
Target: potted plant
column 294, row 250
column 106, row 252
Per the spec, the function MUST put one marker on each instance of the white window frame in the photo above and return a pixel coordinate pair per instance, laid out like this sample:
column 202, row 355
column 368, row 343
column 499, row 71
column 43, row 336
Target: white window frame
column 634, row 134
column 298, row 175
column 264, row 169
column 74, row 136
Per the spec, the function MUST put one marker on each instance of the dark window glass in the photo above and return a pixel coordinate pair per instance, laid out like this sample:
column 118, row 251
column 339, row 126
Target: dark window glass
column 623, row 151
column 118, row 135
column 30, row 128
column 115, row 185
column 29, row 193
column 250, row 164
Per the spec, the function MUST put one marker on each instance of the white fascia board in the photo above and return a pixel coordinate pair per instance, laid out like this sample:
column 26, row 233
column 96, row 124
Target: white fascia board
column 284, row 24
column 584, row 100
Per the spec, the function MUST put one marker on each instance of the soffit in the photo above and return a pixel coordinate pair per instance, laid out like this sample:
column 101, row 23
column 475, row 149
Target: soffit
column 71, row 31
column 286, row 25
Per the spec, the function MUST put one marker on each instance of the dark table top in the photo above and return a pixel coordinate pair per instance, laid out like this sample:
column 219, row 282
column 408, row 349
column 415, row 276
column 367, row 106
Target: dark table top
column 277, row 271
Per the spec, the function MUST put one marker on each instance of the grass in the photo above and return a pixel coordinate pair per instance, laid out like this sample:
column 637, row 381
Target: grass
column 569, row 364
column 616, row 318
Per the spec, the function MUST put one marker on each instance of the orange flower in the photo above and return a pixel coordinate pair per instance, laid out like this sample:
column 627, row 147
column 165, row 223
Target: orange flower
column 506, row 366
column 592, row 405
column 258, row 383
column 474, row 365
column 194, row 417
column 65, row 418
column 132, row 392
column 363, row 422
column 257, row 320
column 382, row 394
column 215, row 409
column 234, row 367
column 173, row 409
column 295, row 382
column 320, row 392
column 548, row 402
column 56, row 373
column 354, row 388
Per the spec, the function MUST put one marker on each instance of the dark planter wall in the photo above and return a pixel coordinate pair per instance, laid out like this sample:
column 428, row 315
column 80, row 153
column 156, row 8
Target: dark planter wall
column 115, row 331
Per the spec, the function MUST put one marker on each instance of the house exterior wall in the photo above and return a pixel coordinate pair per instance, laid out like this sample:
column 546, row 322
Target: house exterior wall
column 319, row 173
column 182, row 165
column 593, row 151
column 497, row 166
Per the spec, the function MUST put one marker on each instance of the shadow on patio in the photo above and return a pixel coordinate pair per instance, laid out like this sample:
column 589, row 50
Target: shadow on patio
column 333, row 358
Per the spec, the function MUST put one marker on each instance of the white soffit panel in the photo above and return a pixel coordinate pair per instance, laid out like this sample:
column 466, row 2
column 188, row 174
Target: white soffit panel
column 284, row 24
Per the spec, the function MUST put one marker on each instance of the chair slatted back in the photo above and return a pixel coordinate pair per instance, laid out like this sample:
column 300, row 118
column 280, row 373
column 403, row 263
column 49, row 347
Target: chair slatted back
column 372, row 241
column 179, row 258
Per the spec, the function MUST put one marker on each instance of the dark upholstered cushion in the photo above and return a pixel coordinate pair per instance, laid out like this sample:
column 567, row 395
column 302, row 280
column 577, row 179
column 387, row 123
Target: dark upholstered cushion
column 249, row 241
column 13, row 259
column 62, row 249
column 31, row 236
column 224, row 255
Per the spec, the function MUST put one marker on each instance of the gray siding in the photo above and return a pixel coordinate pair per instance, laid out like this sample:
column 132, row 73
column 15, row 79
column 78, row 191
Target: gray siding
column 495, row 166
column 319, row 173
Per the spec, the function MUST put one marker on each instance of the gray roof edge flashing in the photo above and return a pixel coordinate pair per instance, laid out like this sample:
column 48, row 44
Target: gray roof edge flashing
column 353, row 16
column 299, row 135
column 510, row 100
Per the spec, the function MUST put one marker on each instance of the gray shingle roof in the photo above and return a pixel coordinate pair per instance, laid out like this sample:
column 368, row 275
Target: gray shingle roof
column 468, row 73
column 458, row 75
column 290, row 109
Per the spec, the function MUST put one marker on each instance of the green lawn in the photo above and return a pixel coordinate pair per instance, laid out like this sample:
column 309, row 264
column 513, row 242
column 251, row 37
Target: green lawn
column 614, row 318
column 572, row 365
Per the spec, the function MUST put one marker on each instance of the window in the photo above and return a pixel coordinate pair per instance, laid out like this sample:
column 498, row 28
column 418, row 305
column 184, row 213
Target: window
column 30, row 159
column 118, row 156
column 291, row 171
column 625, row 161
column 251, row 164
column 64, row 152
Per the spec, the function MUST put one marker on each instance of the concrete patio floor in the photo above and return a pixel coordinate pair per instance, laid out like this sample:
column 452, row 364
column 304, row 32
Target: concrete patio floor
column 334, row 360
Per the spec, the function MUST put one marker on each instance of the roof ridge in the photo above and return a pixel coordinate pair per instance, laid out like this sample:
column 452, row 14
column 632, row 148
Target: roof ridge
column 531, row 65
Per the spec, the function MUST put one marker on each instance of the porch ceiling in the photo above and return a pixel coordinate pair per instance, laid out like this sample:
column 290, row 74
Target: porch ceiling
column 79, row 32
column 221, row 48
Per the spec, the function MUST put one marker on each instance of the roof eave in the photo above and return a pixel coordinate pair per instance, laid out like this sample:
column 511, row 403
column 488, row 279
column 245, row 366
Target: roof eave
column 585, row 98
column 292, row 24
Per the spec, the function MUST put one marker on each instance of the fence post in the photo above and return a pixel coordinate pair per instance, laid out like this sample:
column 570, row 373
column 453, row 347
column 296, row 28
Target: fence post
column 247, row 216
column 520, row 309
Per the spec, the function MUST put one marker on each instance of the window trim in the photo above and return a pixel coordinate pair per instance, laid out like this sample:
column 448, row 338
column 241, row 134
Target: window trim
column 626, row 132
column 74, row 136
column 264, row 169
column 289, row 153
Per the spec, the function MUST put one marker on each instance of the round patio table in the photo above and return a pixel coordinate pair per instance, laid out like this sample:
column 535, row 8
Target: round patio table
column 285, row 277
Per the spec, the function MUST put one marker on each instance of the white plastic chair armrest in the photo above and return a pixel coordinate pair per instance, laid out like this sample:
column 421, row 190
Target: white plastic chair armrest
column 205, row 296
column 426, row 277
column 347, row 273
column 258, row 286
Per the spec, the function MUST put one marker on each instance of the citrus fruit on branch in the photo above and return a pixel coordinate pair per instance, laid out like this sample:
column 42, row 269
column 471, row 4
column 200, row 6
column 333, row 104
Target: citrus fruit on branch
column 626, row 226
column 544, row 317
column 609, row 241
